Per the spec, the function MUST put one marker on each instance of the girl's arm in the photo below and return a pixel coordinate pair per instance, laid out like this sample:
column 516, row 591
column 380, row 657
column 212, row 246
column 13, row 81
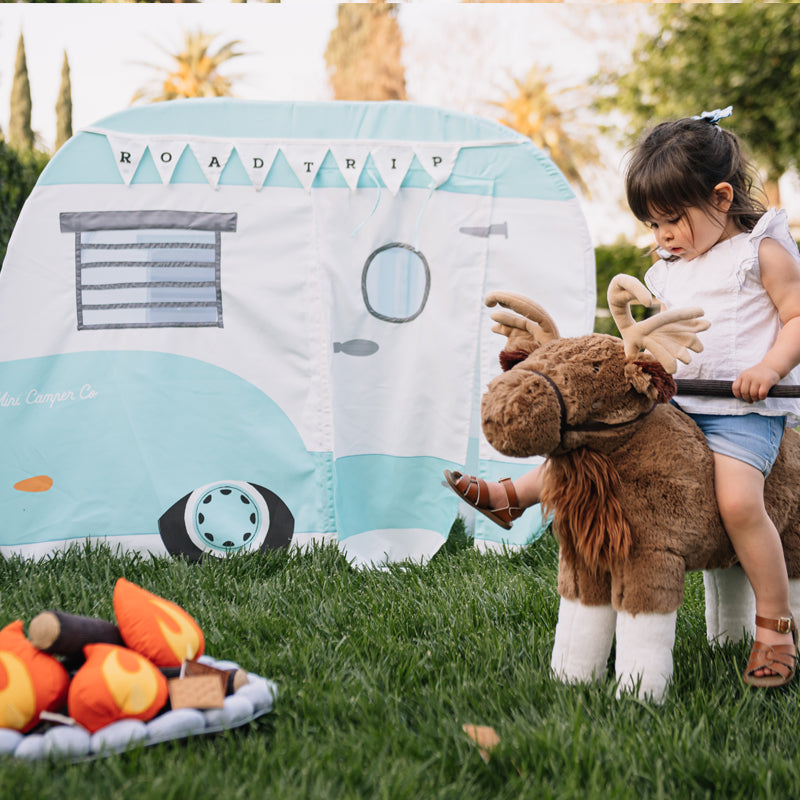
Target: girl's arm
column 780, row 276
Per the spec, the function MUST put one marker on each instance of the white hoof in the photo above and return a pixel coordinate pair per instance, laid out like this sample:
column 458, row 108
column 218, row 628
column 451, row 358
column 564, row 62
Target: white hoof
column 582, row 641
column 644, row 654
column 730, row 605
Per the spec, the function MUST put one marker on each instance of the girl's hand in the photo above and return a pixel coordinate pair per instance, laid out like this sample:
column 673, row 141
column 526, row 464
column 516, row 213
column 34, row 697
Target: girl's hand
column 754, row 383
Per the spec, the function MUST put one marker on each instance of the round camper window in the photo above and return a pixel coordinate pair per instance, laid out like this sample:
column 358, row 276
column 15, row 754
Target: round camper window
column 395, row 282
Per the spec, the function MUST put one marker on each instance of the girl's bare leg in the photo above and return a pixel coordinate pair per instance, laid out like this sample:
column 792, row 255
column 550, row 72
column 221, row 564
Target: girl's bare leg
column 740, row 497
column 528, row 487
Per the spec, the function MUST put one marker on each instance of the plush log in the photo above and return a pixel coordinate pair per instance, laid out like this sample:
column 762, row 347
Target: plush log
column 59, row 633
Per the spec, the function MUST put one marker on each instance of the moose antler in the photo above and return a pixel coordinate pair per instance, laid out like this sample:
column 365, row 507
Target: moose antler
column 668, row 335
column 523, row 315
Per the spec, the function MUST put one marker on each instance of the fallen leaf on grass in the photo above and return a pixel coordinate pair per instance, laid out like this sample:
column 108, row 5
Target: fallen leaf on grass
column 485, row 737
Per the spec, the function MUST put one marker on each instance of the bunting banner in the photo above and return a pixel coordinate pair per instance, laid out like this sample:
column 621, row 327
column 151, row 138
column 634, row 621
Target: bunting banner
column 391, row 160
column 350, row 158
column 128, row 153
column 212, row 158
column 256, row 159
column 305, row 161
column 166, row 157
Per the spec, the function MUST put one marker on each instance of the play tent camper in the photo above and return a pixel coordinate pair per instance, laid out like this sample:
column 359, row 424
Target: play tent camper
column 231, row 325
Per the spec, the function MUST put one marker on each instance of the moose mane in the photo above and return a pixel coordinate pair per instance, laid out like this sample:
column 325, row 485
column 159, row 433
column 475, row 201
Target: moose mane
column 580, row 490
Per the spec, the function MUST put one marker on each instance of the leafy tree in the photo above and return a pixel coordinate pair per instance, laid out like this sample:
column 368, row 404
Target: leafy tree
column 20, row 133
column 364, row 53
column 18, row 174
column 196, row 72
column 64, row 106
column 535, row 111
column 706, row 56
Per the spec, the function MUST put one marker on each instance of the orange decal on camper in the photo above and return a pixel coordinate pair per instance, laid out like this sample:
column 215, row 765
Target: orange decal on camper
column 39, row 483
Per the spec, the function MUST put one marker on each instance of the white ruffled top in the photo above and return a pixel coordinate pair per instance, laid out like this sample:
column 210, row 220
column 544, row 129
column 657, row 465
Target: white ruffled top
column 726, row 283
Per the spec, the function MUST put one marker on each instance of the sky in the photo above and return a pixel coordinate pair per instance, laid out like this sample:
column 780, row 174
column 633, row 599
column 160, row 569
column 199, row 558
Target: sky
column 459, row 56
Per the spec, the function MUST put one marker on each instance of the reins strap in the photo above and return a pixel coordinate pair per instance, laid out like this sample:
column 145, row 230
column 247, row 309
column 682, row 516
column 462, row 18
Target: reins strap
column 586, row 426
column 725, row 388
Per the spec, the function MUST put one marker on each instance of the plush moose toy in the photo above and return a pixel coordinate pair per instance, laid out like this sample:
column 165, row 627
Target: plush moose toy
column 629, row 480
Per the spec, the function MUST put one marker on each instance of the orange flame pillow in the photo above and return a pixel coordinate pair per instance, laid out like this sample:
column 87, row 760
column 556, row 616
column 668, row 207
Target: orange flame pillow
column 158, row 629
column 30, row 681
column 115, row 683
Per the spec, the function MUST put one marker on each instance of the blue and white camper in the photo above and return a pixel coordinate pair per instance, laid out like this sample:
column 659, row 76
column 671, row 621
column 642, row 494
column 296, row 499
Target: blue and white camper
column 229, row 325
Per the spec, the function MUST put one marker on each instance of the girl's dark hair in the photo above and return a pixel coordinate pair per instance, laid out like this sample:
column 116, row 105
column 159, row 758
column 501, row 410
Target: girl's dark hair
column 678, row 164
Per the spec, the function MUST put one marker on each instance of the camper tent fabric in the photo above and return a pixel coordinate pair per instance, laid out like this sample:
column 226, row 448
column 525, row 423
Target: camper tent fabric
column 228, row 325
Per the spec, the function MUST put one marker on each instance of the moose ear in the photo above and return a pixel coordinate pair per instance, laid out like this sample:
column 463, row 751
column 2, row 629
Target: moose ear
column 510, row 358
column 648, row 377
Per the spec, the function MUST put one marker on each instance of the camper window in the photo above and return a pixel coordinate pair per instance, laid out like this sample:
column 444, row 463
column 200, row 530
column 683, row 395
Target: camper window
column 145, row 269
column 395, row 282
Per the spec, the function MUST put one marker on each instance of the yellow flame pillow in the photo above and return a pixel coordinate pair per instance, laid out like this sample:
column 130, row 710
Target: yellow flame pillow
column 157, row 628
column 115, row 683
column 30, row 681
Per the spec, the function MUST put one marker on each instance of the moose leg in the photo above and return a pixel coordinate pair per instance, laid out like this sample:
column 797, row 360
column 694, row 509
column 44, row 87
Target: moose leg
column 644, row 653
column 730, row 605
column 582, row 641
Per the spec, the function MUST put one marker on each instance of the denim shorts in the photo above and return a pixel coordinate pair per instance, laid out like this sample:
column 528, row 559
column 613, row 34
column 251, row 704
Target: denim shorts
column 752, row 438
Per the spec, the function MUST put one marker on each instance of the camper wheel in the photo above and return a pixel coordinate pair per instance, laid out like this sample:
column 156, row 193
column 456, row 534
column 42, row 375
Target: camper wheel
column 226, row 517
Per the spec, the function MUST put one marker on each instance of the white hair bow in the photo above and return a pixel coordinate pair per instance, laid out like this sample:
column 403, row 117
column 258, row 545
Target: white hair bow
column 716, row 115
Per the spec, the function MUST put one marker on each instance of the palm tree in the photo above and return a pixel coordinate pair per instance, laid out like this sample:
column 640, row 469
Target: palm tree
column 195, row 72
column 534, row 111
column 364, row 53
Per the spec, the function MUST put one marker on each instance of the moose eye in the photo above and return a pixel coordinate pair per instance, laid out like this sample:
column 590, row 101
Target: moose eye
column 596, row 367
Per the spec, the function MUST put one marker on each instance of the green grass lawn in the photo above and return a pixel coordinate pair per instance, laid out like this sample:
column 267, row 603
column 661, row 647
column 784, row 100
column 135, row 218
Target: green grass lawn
column 378, row 671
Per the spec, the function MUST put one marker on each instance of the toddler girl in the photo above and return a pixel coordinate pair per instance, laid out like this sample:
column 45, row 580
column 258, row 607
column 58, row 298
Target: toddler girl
column 691, row 183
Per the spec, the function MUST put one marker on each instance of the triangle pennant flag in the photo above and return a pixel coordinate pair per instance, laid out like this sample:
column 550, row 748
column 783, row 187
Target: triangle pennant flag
column 305, row 161
column 437, row 160
column 166, row 153
column 212, row 156
column 257, row 160
column 128, row 152
column 350, row 158
column 392, row 162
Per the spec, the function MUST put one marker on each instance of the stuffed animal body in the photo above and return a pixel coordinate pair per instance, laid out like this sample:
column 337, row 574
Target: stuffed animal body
column 629, row 481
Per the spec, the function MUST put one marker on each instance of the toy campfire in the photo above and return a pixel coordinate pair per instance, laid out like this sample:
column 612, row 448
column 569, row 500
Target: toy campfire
column 80, row 687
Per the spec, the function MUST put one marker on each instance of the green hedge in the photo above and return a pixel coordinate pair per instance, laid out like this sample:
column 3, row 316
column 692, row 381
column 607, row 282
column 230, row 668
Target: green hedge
column 18, row 174
column 612, row 259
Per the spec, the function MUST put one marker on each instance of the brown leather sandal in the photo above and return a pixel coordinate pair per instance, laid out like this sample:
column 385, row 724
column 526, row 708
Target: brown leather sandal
column 475, row 492
column 781, row 659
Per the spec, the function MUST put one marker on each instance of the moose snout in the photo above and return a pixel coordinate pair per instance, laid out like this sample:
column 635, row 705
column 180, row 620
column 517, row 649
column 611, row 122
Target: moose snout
column 521, row 414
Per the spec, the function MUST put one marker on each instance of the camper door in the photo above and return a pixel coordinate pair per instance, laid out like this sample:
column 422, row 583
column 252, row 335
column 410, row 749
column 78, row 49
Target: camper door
column 402, row 277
